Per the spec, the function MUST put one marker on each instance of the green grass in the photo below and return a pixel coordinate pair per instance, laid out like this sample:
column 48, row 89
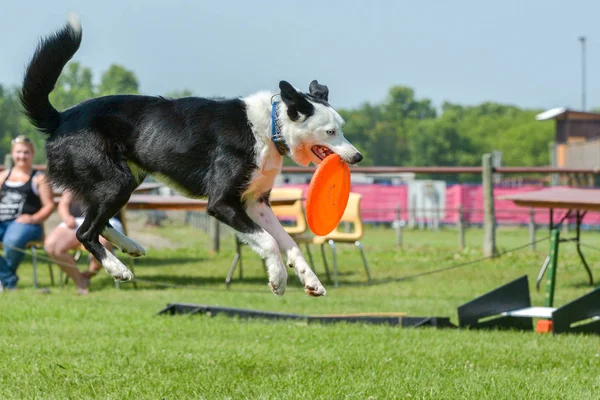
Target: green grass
column 111, row 345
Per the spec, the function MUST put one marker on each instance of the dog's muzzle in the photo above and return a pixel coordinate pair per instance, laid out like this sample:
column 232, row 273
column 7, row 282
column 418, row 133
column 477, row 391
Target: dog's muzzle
column 356, row 158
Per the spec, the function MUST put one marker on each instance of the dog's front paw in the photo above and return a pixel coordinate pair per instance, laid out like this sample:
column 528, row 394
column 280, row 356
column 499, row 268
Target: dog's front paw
column 277, row 276
column 315, row 290
column 277, row 288
column 312, row 285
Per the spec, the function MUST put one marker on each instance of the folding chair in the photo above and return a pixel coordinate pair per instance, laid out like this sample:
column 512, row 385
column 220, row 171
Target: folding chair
column 351, row 215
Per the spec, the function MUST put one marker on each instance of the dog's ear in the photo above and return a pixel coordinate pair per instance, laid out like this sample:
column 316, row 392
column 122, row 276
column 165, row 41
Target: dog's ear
column 319, row 91
column 296, row 103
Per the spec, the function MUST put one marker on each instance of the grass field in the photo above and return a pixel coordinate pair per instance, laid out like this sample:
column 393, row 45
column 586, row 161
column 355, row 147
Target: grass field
column 111, row 345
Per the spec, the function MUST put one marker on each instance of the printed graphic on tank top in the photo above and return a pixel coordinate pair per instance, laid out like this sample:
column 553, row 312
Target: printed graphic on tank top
column 18, row 198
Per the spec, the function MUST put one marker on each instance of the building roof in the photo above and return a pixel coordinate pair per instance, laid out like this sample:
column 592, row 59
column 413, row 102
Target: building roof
column 562, row 113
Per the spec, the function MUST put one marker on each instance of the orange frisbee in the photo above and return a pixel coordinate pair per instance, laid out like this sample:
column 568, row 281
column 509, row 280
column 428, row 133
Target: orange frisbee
column 327, row 195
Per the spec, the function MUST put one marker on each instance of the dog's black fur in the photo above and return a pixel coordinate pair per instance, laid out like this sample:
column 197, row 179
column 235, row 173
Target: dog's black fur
column 204, row 146
column 103, row 148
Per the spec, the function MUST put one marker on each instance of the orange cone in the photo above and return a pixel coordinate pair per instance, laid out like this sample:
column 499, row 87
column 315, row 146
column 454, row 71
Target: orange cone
column 544, row 326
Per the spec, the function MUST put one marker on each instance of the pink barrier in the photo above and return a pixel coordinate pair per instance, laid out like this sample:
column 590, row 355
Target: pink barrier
column 380, row 202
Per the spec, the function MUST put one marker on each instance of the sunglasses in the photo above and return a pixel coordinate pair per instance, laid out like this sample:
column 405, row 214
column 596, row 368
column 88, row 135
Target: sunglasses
column 21, row 139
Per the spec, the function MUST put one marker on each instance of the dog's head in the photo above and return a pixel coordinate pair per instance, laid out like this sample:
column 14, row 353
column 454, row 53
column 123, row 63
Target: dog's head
column 312, row 128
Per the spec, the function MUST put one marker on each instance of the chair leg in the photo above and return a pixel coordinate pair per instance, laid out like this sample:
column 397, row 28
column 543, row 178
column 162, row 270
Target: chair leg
column 325, row 262
column 132, row 268
column 232, row 270
column 51, row 274
column 237, row 258
column 239, row 250
column 117, row 282
column 335, row 271
column 310, row 258
column 34, row 262
column 364, row 258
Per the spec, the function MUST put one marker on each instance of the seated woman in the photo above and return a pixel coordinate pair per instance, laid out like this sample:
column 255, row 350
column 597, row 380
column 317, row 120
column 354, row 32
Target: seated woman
column 62, row 240
column 25, row 203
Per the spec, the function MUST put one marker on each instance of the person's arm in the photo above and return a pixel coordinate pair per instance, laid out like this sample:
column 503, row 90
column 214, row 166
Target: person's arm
column 46, row 197
column 3, row 176
column 63, row 209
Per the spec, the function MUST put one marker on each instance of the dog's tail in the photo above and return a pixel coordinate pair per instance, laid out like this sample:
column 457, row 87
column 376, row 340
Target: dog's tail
column 50, row 57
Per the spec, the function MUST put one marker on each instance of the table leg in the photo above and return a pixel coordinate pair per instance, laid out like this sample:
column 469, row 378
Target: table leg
column 585, row 264
column 553, row 262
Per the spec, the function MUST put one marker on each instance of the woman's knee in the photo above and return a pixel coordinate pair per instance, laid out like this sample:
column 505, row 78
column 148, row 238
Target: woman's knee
column 60, row 241
column 50, row 245
column 18, row 235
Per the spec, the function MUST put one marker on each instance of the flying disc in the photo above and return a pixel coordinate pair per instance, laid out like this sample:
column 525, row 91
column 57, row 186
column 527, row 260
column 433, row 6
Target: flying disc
column 327, row 195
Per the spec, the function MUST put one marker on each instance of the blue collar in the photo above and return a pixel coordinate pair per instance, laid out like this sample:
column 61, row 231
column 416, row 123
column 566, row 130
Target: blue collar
column 276, row 135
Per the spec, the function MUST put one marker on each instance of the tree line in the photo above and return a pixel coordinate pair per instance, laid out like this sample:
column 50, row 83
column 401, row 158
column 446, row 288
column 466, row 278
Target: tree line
column 402, row 130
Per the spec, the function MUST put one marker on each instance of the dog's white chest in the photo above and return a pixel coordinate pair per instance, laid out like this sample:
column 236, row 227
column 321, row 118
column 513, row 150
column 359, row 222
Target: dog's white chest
column 263, row 179
column 262, row 182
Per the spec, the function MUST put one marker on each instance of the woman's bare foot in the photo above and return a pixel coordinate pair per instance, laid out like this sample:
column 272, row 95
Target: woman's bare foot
column 82, row 284
column 89, row 274
column 82, row 291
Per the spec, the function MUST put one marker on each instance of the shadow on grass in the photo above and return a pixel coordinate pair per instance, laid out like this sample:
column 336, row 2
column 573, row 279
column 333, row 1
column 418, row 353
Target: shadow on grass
column 584, row 284
column 149, row 262
column 251, row 284
column 164, row 281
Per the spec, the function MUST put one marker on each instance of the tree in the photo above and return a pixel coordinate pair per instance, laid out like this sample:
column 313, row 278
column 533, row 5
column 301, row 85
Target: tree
column 118, row 80
column 381, row 132
column 402, row 130
column 74, row 86
column 9, row 122
column 178, row 94
column 402, row 105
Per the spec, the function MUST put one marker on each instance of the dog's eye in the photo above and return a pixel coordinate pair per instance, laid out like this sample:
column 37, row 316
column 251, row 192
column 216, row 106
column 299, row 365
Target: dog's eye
column 330, row 132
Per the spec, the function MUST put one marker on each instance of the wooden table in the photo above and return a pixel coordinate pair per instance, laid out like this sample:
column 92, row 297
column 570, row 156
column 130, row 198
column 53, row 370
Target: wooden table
column 143, row 188
column 179, row 203
column 566, row 198
column 148, row 187
column 155, row 202
column 577, row 202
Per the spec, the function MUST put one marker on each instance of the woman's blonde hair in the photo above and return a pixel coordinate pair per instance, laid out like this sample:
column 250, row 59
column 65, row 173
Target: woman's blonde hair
column 23, row 140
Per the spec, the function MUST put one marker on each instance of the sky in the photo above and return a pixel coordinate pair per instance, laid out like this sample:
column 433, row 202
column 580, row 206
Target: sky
column 520, row 52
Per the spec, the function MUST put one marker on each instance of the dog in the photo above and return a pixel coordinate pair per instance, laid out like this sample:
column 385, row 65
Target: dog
column 227, row 150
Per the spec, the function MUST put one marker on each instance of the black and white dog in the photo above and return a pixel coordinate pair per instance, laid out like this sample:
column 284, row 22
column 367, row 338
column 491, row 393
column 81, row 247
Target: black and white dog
column 227, row 150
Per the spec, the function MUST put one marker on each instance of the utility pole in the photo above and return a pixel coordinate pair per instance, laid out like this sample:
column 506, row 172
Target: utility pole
column 582, row 40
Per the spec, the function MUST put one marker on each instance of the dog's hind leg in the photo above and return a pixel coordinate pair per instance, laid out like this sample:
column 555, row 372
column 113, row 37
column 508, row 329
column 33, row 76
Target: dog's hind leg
column 118, row 239
column 262, row 213
column 104, row 201
column 230, row 211
column 122, row 242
